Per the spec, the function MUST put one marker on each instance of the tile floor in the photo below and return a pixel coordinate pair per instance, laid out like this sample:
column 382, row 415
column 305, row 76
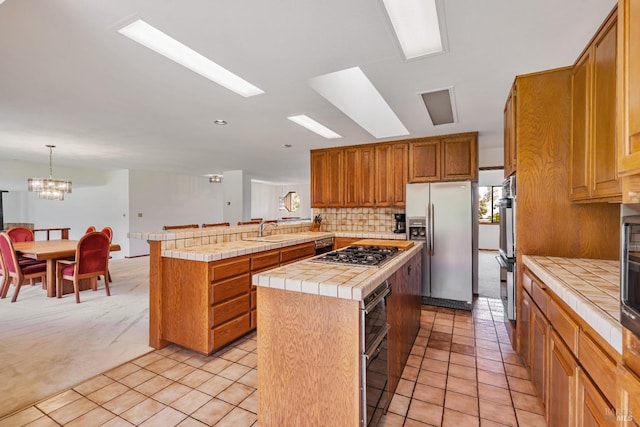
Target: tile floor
column 462, row 371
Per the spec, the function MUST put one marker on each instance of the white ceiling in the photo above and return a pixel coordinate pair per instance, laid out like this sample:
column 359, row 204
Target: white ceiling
column 68, row 78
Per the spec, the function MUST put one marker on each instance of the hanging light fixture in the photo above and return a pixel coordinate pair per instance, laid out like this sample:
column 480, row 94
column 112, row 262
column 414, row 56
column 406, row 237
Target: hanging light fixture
column 49, row 189
column 215, row 179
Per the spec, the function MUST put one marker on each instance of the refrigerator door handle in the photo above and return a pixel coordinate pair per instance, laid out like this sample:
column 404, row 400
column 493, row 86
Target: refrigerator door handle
column 433, row 228
column 427, row 240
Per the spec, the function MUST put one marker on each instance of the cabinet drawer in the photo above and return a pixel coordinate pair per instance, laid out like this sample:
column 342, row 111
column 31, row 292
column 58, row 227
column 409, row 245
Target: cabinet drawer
column 254, row 319
column 228, row 268
column 526, row 282
column 264, row 260
column 226, row 311
column 227, row 332
column 229, row 288
column 540, row 296
column 296, row 252
column 564, row 326
column 599, row 366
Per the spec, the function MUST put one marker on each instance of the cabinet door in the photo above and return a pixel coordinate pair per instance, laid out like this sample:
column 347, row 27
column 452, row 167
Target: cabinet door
column 628, row 397
column 318, row 172
column 560, row 400
column 580, row 101
column 383, row 179
column 399, row 164
column 592, row 409
column 352, row 177
column 460, row 158
column 628, row 87
column 524, row 327
column 424, row 161
column 510, row 146
column 367, row 177
column 604, row 179
column 539, row 346
column 333, row 181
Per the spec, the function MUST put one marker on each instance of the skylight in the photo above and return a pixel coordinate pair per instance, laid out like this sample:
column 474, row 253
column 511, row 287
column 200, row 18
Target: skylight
column 353, row 93
column 416, row 25
column 313, row 126
column 154, row 39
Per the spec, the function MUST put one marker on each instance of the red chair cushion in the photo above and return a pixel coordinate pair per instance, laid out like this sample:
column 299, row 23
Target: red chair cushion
column 67, row 270
column 34, row 268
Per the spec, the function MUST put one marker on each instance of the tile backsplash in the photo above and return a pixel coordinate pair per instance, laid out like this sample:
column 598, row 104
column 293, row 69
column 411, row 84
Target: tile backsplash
column 371, row 220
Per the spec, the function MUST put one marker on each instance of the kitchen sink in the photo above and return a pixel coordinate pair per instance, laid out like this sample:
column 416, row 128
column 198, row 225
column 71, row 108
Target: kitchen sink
column 273, row 238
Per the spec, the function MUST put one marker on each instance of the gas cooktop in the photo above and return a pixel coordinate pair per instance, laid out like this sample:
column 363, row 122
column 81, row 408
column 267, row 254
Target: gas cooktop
column 363, row 256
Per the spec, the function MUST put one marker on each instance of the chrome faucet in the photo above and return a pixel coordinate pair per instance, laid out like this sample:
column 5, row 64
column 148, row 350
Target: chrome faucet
column 263, row 227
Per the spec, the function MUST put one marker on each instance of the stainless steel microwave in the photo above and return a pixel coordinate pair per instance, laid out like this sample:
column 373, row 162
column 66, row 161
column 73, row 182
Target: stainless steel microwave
column 630, row 274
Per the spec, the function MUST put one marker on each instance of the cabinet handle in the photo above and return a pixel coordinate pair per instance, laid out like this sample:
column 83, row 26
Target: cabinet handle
column 409, row 269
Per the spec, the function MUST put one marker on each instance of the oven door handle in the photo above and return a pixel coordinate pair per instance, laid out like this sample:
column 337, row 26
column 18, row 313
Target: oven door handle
column 377, row 300
column 370, row 352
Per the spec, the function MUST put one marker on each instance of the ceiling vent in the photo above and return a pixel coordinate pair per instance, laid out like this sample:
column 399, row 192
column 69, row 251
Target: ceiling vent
column 440, row 106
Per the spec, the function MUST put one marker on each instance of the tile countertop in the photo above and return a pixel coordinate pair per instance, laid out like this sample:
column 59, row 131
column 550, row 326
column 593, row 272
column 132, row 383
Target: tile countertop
column 339, row 281
column 591, row 287
column 218, row 251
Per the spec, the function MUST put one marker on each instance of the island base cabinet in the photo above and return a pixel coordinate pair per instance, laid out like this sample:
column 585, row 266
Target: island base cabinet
column 592, row 410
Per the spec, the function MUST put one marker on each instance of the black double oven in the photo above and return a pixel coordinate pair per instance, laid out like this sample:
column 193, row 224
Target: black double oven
column 630, row 274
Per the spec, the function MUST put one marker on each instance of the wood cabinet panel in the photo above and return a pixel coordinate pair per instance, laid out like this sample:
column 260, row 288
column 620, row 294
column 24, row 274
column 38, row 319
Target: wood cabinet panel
column 225, row 311
column 539, row 295
column 342, row 242
column 263, row 260
column 399, row 176
column 460, row 158
column 524, row 328
column 334, row 180
column 564, row 325
column 539, row 349
column 367, row 171
column 352, row 177
column 628, row 87
column 510, row 145
column 229, row 268
column 580, row 101
column 318, row 174
column 227, row 332
column 384, row 175
column 560, row 400
column 598, row 364
column 628, row 397
column 592, row 409
column 225, row 289
column 297, row 252
column 424, row 161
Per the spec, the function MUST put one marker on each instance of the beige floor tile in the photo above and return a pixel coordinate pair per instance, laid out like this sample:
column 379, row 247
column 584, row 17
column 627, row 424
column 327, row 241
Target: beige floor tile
column 516, row 371
column 460, row 371
column 122, row 371
column 233, row 354
column 414, row 360
column 191, row 401
column 250, row 360
column 238, row 417
column 488, row 423
column 432, row 378
column 93, row 384
column 495, row 394
column 154, row 385
column 136, row 378
column 493, row 411
column 42, row 422
column 490, row 365
column 527, row 402
column 410, row 373
column 235, row 393
column 434, row 365
column 463, row 359
column 212, row 411
column 161, row 365
column 429, row 394
column 391, row 420
column 399, row 405
column 58, row 401
column 425, row 412
column 405, row 387
column 124, row 401
column 530, row 419
column 23, row 417
column 415, row 423
column 434, row 353
column 167, row 417
column 461, row 403
column 453, row 418
column 178, row 371
column 492, row 378
column 522, row 386
column 142, row 411
column 182, row 355
column 234, row 372
column 214, row 386
column 195, row 378
column 73, row 410
column 464, row 386
column 108, row 393
column 250, row 378
column 190, row 422
column 94, row 418
column 117, row 422
column 250, row 403
column 172, row 393
column 148, row 359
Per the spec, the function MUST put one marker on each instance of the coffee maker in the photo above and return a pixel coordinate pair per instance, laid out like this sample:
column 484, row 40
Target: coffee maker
column 400, row 223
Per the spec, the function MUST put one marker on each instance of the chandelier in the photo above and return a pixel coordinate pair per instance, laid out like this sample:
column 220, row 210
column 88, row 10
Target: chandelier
column 49, row 189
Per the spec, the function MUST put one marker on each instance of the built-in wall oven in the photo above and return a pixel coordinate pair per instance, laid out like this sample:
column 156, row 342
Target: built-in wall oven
column 507, row 257
column 630, row 274
column 373, row 349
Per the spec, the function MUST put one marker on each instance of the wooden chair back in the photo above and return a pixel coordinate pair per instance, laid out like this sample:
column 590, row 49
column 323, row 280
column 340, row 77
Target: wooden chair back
column 249, row 222
column 13, row 271
column 20, row 234
column 109, row 232
column 217, row 224
column 90, row 229
column 179, row 227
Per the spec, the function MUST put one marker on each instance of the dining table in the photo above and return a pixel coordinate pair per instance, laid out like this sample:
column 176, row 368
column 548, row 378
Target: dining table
column 51, row 251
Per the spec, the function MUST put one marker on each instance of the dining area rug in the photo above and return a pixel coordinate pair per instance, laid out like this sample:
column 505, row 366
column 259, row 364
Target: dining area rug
column 48, row 344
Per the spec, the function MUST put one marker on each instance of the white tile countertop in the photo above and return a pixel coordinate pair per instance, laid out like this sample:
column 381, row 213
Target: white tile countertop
column 223, row 250
column 591, row 287
column 339, row 281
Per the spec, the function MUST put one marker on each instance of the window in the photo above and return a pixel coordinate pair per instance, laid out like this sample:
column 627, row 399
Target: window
column 488, row 212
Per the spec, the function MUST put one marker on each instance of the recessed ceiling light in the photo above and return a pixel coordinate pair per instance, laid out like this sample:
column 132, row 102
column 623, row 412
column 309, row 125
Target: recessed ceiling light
column 314, row 126
column 220, row 122
column 149, row 36
column 440, row 106
column 354, row 94
column 416, row 25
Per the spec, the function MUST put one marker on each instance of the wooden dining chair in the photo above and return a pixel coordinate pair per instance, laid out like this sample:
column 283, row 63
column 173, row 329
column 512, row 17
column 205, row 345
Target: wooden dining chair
column 20, row 234
column 14, row 272
column 253, row 221
column 217, row 224
column 90, row 229
column 109, row 233
column 91, row 261
column 179, row 227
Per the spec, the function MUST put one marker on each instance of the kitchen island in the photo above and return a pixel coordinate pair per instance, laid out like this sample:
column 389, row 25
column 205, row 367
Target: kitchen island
column 309, row 337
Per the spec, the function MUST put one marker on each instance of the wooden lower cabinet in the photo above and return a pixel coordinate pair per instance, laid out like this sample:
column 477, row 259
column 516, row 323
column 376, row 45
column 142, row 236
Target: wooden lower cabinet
column 524, row 326
column 296, row 253
column 562, row 384
column 628, row 397
column 592, row 409
column 539, row 345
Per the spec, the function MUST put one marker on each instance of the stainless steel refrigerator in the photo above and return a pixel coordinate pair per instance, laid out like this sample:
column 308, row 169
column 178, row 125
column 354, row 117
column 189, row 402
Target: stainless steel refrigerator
column 443, row 216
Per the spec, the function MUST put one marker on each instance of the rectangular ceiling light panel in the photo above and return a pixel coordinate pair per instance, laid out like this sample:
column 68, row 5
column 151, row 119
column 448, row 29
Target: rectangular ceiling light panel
column 149, row 36
column 352, row 93
column 440, row 106
column 416, row 25
column 313, row 126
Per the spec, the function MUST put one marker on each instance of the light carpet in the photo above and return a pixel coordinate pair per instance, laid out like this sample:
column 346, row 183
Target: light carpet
column 488, row 274
column 48, row 345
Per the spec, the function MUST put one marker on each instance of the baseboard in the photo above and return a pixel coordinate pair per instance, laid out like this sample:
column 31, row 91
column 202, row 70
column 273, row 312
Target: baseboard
column 136, row 256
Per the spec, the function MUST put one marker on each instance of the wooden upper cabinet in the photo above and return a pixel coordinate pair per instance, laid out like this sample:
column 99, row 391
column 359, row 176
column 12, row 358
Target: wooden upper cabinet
column 628, row 75
column 318, row 173
column 593, row 119
column 446, row 158
column 399, row 174
column 359, row 174
column 510, row 146
column 333, row 181
column 367, row 174
column 383, row 176
column 424, row 161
